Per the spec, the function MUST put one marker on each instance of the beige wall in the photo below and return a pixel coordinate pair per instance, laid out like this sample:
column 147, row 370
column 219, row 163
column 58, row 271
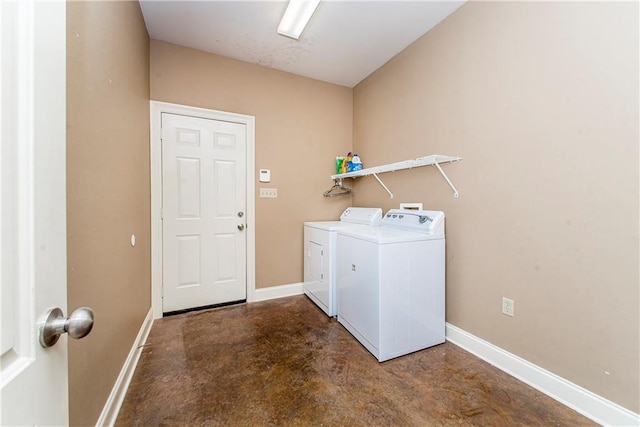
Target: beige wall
column 541, row 101
column 301, row 125
column 108, row 192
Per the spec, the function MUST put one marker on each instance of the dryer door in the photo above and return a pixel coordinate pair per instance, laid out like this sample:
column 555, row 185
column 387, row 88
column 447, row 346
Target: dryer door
column 316, row 281
column 314, row 260
column 318, row 246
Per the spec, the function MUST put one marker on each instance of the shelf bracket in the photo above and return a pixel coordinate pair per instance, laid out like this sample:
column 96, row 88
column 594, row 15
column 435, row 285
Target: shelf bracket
column 375, row 175
column 444, row 175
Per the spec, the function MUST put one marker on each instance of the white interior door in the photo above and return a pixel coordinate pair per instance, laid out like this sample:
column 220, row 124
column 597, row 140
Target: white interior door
column 33, row 380
column 203, row 212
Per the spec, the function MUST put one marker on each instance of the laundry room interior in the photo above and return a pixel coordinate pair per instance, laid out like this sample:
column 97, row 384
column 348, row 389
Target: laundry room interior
column 538, row 100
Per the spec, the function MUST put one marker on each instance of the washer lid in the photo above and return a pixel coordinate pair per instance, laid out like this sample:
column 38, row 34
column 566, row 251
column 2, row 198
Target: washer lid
column 367, row 216
column 383, row 235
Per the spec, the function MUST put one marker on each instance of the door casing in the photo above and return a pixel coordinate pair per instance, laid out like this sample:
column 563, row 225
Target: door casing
column 157, row 108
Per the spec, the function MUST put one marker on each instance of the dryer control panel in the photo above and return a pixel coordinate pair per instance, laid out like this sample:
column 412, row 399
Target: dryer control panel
column 427, row 222
column 366, row 216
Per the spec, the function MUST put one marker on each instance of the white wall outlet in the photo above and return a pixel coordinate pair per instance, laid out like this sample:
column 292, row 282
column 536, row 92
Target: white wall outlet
column 507, row 306
column 268, row 193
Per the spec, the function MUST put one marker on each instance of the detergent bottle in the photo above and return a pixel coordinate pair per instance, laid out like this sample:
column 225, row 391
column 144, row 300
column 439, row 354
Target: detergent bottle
column 348, row 162
column 356, row 164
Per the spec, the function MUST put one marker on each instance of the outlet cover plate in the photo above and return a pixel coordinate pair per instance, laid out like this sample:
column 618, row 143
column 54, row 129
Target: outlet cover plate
column 507, row 306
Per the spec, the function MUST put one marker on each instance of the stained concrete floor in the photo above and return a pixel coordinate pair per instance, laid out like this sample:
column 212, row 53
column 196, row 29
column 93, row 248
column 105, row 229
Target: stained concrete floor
column 284, row 363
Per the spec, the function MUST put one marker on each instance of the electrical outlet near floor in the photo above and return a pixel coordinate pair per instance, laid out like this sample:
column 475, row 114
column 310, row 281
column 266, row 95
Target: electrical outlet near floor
column 507, row 306
column 269, row 193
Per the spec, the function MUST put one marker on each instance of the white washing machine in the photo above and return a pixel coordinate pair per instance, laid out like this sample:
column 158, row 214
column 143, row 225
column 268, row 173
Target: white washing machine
column 391, row 283
column 320, row 254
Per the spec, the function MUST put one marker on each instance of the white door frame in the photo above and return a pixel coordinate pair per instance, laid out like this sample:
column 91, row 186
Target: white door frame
column 157, row 108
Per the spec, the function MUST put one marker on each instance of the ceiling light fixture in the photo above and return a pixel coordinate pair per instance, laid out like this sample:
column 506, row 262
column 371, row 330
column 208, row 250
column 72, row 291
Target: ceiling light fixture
column 296, row 17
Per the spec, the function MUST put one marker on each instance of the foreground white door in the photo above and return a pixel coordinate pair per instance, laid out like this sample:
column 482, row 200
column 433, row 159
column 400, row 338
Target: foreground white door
column 33, row 380
column 204, row 212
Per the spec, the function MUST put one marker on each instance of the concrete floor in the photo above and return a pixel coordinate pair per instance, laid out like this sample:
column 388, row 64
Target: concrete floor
column 283, row 362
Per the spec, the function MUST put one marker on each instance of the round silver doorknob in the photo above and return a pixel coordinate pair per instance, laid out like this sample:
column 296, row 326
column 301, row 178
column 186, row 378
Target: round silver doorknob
column 78, row 325
column 240, row 227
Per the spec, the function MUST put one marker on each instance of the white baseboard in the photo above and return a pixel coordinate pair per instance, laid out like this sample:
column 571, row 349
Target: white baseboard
column 272, row 292
column 575, row 397
column 114, row 402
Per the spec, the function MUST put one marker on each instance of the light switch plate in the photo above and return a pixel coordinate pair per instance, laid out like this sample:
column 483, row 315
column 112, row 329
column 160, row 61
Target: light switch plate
column 268, row 193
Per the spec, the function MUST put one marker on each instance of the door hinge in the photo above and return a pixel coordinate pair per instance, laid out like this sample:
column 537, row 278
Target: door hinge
column 321, row 276
column 321, row 253
column 161, row 214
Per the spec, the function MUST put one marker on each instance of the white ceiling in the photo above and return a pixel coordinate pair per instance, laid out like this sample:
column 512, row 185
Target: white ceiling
column 344, row 42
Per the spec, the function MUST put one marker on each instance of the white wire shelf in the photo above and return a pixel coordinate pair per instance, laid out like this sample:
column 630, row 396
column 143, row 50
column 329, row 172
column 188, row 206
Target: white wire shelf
column 432, row 160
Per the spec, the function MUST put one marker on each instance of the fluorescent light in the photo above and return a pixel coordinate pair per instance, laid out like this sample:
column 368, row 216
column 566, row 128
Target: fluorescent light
column 296, row 17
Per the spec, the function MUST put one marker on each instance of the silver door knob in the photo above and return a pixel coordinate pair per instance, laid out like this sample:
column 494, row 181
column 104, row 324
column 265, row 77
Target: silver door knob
column 240, row 227
column 78, row 325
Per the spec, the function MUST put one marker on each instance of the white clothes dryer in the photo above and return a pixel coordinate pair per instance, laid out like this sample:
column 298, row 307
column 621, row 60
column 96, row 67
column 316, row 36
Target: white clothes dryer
column 320, row 254
column 391, row 283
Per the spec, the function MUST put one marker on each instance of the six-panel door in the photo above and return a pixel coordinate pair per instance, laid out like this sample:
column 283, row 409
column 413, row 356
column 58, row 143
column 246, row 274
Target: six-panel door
column 204, row 203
